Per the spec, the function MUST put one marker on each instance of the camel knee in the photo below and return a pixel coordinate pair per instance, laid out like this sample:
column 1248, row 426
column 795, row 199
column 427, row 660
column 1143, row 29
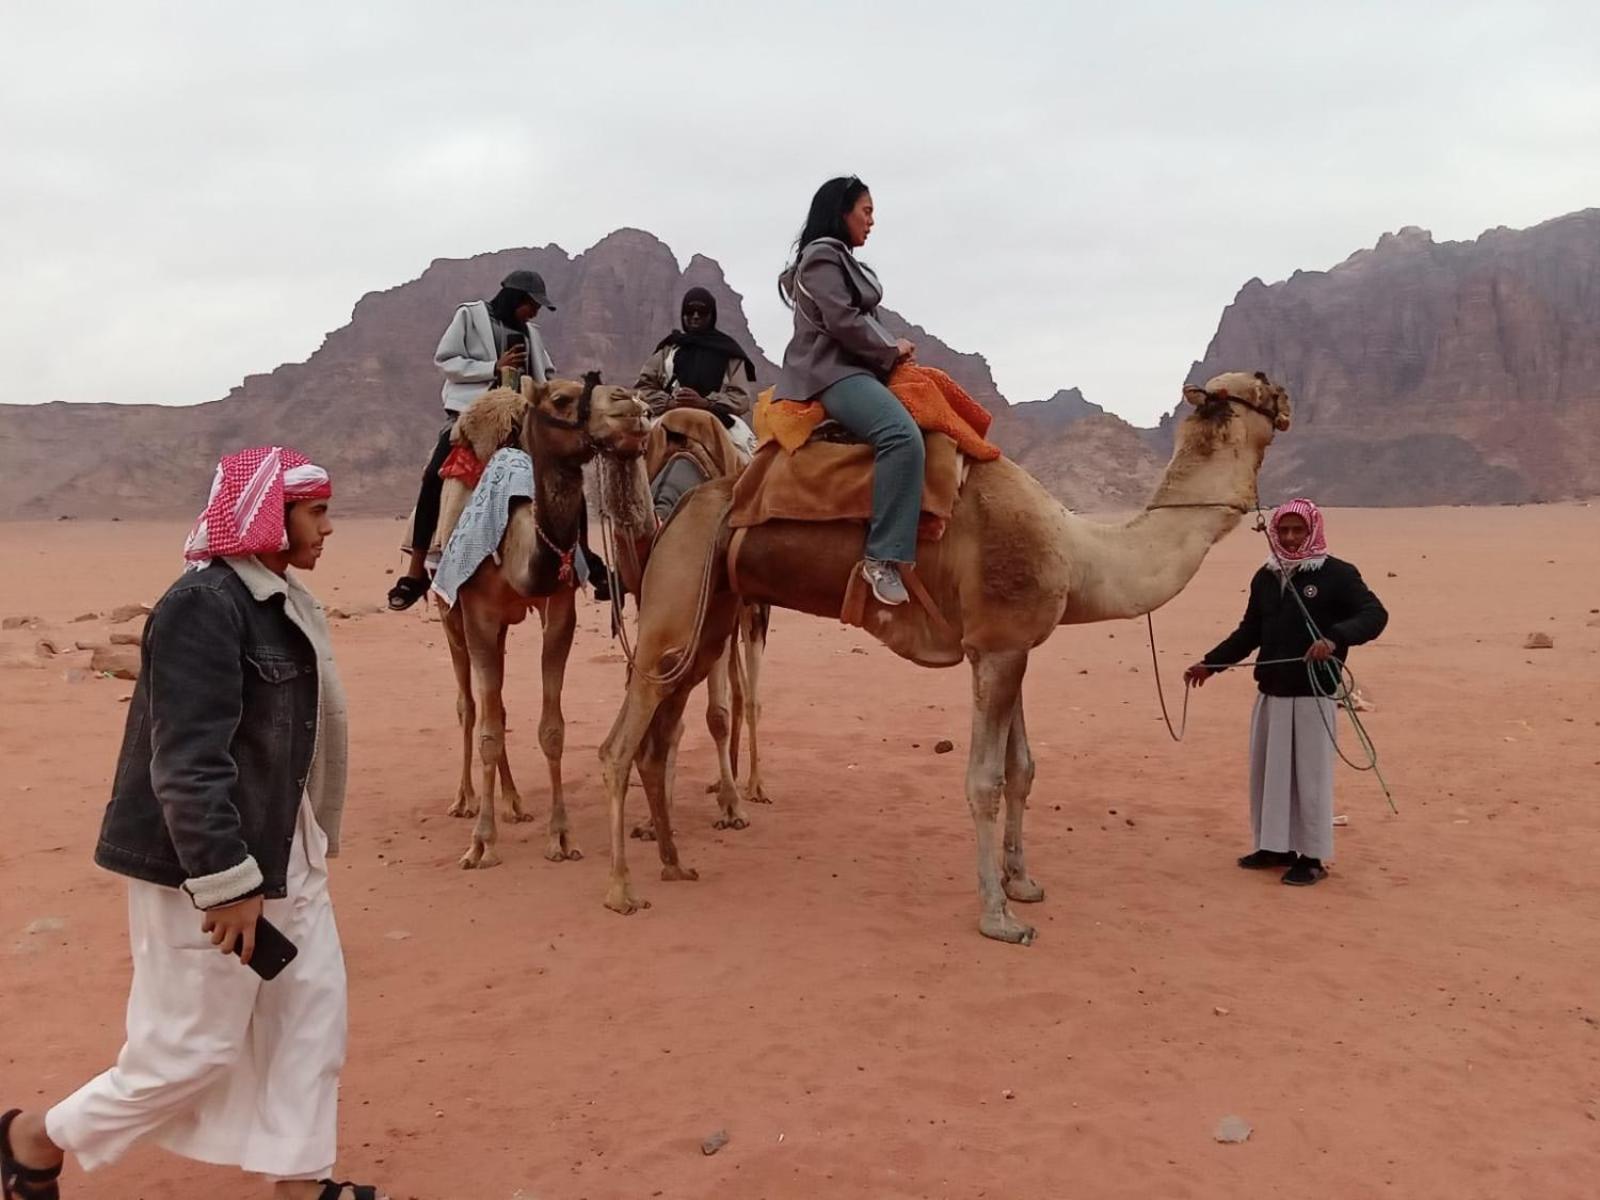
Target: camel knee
column 553, row 739
column 719, row 720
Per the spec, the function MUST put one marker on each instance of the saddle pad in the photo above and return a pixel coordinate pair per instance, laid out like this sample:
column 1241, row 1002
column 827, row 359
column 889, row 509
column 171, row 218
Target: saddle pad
column 832, row 481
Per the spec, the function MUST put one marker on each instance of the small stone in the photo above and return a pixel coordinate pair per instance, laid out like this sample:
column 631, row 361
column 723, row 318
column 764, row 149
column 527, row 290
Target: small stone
column 127, row 639
column 1127, row 820
column 45, row 648
column 1392, row 575
column 715, row 1142
column 1232, row 1130
column 1539, row 641
column 119, row 662
column 82, row 617
column 338, row 614
column 18, row 622
column 943, row 746
column 127, row 612
column 1220, row 1011
column 1008, row 1094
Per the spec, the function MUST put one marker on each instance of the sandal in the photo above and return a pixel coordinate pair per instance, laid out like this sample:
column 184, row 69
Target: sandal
column 1305, row 872
column 407, row 590
column 40, row 1183
column 332, row 1190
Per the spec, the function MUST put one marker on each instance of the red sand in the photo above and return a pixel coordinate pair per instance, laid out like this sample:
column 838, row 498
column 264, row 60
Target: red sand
column 1423, row 1024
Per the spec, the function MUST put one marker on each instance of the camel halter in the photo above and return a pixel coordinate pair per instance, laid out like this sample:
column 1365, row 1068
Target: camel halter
column 1242, row 509
column 591, row 380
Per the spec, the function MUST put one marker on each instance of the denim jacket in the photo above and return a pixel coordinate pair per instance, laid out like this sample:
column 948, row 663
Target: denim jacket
column 219, row 742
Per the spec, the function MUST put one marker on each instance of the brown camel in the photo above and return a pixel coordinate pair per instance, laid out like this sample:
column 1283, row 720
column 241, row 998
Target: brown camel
column 560, row 424
column 630, row 525
column 1013, row 564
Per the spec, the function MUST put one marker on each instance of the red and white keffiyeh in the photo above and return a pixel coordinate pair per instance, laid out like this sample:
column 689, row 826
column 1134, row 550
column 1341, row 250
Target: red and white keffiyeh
column 244, row 514
column 1313, row 551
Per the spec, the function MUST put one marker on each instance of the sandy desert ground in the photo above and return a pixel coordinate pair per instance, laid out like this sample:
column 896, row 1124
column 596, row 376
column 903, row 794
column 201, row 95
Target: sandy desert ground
column 1424, row 1024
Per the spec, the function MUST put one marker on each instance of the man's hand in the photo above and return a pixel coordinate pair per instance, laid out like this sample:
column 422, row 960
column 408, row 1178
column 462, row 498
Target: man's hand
column 1321, row 650
column 1197, row 675
column 686, row 397
column 231, row 923
column 515, row 358
column 906, row 350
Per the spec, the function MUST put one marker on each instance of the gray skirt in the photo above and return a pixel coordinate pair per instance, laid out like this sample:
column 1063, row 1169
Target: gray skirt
column 1291, row 774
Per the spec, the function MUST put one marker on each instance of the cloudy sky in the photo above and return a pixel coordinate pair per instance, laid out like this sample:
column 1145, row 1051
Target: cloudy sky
column 190, row 192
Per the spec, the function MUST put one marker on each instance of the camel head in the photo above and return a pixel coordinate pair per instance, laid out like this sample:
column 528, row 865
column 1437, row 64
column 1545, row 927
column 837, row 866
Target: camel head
column 575, row 418
column 1235, row 409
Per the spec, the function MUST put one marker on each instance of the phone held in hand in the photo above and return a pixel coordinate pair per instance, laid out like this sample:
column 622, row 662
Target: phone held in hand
column 273, row 950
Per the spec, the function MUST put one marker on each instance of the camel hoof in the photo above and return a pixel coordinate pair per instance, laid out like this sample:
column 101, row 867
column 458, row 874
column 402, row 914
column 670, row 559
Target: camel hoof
column 479, row 860
column 1024, row 890
column 1003, row 927
column 757, row 795
column 677, row 874
column 730, row 823
column 645, row 833
column 622, row 900
column 515, row 817
column 562, row 848
column 460, row 809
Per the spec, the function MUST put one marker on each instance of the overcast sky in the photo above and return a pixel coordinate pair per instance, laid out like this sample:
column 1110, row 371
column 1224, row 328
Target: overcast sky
column 193, row 192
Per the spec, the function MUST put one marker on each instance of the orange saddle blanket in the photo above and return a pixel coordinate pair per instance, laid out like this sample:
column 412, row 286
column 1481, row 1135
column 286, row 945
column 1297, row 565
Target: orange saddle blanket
column 936, row 402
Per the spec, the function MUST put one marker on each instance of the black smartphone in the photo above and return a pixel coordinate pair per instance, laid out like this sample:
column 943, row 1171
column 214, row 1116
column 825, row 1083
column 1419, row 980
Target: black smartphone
column 273, row 951
column 515, row 341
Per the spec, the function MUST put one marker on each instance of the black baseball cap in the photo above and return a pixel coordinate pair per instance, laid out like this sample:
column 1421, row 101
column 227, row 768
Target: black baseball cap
column 532, row 283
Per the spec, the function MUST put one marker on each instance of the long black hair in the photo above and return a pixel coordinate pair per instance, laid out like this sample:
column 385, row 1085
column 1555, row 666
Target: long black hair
column 833, row 200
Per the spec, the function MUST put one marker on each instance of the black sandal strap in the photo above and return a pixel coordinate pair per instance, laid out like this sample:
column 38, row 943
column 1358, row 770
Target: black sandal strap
column 40, row 1181
column 333, row 1190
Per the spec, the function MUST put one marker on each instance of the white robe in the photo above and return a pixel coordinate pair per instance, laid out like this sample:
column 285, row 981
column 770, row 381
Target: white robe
column 221, row 1066
column 1291, row 774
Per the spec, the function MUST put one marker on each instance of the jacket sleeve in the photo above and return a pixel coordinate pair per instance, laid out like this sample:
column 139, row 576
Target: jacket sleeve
column 196, row 701
column 821, row 282
column 733, row 398
column 1367, row 615
column 451, row 357
column 652, row 382
column 1242, row 640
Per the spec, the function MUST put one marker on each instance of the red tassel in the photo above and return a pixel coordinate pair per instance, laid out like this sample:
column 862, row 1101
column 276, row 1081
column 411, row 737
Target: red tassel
column 568, row 575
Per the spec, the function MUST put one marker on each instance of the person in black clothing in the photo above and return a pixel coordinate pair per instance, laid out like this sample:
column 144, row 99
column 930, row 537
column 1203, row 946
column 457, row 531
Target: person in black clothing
column 1291, row 730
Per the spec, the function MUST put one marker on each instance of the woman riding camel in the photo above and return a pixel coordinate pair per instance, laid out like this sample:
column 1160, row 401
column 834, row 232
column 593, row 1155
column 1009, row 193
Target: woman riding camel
column 840, row 355
column 699, row 366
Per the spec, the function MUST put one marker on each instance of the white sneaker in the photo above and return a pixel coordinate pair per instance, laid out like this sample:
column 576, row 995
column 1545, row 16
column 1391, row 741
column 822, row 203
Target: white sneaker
column 885, row 579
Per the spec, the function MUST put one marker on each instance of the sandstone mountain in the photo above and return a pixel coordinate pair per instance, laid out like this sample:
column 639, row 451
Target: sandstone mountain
column 1422, row 372
column 1431, row 372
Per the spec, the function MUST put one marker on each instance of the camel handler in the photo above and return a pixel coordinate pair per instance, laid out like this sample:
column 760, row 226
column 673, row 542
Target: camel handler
column 1292, row 728
column 225, row 807
column 484, row 338
column 699, row 366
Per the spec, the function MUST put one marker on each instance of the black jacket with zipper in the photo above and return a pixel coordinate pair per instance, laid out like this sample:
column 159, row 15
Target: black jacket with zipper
column 1340, row 603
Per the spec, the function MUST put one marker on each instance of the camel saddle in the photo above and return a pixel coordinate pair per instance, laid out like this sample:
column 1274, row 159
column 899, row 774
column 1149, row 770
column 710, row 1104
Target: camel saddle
column 831, row 480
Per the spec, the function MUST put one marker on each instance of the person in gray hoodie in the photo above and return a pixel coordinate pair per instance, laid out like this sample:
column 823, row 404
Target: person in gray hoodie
column 841, row 355
column 484, row 337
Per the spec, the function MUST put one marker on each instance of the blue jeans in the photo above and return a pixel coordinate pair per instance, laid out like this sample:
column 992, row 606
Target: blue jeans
column 870, row 411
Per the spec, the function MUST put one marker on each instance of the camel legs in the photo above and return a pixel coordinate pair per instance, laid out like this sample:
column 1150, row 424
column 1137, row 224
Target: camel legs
column 996, row 693
column 720, row 720
column 510, row 799
column 560, row 622
column 485, row 638
column 657, row 765
column 1019, row 782
column 752, row 634
column 466, row 801
column 617, row 756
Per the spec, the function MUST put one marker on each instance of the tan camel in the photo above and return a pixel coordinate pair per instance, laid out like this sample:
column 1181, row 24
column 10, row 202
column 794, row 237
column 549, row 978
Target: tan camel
column 1013, row 564
column 561, row 424
column 630, row 525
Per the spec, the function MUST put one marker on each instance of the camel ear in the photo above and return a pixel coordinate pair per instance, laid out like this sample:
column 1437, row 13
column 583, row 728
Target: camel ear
column 1195, row 395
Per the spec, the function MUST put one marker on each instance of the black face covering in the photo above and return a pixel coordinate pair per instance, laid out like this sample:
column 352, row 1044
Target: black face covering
column 702, row 359
column 503, row 307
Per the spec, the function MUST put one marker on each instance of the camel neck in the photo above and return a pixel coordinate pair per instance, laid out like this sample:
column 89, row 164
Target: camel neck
column 1134, row 568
